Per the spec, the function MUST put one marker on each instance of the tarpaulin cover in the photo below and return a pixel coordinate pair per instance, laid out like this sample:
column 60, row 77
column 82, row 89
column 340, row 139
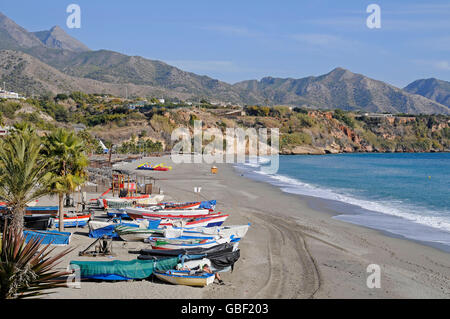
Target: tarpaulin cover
column 110, row 230
column 209, row 204
column 123, row 270
column 221, row 261
column 50, row 236
column 202, row 252
column 104, row 231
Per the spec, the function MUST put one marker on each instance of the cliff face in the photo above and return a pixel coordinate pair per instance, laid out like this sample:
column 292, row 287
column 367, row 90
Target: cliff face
column 322, row 132
column 302, row 131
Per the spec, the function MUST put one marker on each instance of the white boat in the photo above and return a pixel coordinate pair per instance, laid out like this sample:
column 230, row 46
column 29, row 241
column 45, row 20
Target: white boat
column 178, row 243
column 237, row 231
column 145, row 212
column 96, row 224
column 185, row 277
column 122, row 202
column 210, row 220
column 128, row 233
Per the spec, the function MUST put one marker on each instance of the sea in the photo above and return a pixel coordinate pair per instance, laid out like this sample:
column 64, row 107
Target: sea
column 405, row 195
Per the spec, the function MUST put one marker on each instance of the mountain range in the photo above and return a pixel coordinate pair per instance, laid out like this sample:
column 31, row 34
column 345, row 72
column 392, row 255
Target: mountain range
column 53, row 61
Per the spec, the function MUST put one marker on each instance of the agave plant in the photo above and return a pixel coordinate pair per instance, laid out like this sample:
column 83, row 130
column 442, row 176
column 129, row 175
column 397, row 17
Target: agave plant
column 27, row 269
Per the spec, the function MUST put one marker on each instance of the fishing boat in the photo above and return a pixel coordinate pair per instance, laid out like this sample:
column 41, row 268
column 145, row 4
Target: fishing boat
column 207, row 204
column 196, row 251
column 36, row 210
column 37, row 222
column 185, row 277
column 48, row 237
column 202, row 221
column 42, row 210
column 164, row 243
column 171, row 206
column 129, row 233
column 99, row 229
column 123, row 202
column 237, row 231
column 117, row 212
column 138, row 213
column 74, row 219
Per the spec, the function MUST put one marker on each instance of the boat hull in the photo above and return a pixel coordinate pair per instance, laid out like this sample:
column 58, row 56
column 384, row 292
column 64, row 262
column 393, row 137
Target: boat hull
column 74, row 221
column 135, row 213
column 185, row 278
column 207, row 221
column 160, row 243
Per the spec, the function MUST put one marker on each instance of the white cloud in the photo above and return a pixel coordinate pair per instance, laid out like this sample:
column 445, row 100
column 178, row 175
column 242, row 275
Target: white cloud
column 442, row 65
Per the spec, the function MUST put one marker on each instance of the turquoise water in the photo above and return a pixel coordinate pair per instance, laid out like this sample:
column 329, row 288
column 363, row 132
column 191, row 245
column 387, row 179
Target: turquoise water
column 407, row 194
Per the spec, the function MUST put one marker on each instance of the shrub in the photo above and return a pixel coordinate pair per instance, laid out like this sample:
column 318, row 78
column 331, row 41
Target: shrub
column 294, row 139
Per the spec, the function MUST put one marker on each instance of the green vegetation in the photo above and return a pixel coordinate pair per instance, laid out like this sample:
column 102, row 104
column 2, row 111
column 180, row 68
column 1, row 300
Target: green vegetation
column 343, row 117
column 8, row 108
column 64, row 151
column 24, row 173
column 26, row 269
column 294, row 139
column 112, row 118
column 141, row 146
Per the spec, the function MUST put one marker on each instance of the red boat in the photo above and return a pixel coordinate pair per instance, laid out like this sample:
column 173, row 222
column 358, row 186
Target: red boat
column 210, row 221
column 136, row 214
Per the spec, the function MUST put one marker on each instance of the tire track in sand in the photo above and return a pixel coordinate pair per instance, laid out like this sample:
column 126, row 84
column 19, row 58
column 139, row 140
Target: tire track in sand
column 293, row 272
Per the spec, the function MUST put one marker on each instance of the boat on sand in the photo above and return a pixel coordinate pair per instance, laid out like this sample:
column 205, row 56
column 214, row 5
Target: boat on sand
column 185, row 277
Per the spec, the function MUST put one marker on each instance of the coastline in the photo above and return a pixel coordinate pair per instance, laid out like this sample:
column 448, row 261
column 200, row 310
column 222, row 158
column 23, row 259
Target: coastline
column 357, row 215
column 292, row 250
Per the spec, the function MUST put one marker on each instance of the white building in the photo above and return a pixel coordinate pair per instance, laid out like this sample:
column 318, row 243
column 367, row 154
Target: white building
column 161, row 101
column 9, row 95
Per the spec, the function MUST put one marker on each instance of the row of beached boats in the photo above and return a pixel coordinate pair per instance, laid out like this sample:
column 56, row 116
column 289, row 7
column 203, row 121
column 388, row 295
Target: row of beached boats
column 182, row 238
column 44, row 217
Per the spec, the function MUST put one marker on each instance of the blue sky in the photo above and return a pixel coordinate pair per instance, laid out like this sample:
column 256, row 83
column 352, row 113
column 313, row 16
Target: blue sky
column 249, row 39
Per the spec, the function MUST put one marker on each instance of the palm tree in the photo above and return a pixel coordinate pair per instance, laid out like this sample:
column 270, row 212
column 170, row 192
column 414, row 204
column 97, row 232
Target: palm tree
column 66, row 153
column 23, row 172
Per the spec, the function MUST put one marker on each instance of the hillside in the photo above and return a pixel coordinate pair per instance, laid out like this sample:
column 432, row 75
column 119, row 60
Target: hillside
column 302, row 131
column 57, row 63
column 29, row 75
column 13, row 36
column 434, row 89
column 342, row 89
column 56, row 38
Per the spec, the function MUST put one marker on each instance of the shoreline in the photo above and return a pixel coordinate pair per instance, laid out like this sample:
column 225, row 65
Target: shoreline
column 335, row 208
column 290, row 251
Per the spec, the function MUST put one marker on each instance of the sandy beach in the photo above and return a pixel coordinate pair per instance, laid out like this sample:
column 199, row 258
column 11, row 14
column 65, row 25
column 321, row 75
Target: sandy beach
column 290, row 250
